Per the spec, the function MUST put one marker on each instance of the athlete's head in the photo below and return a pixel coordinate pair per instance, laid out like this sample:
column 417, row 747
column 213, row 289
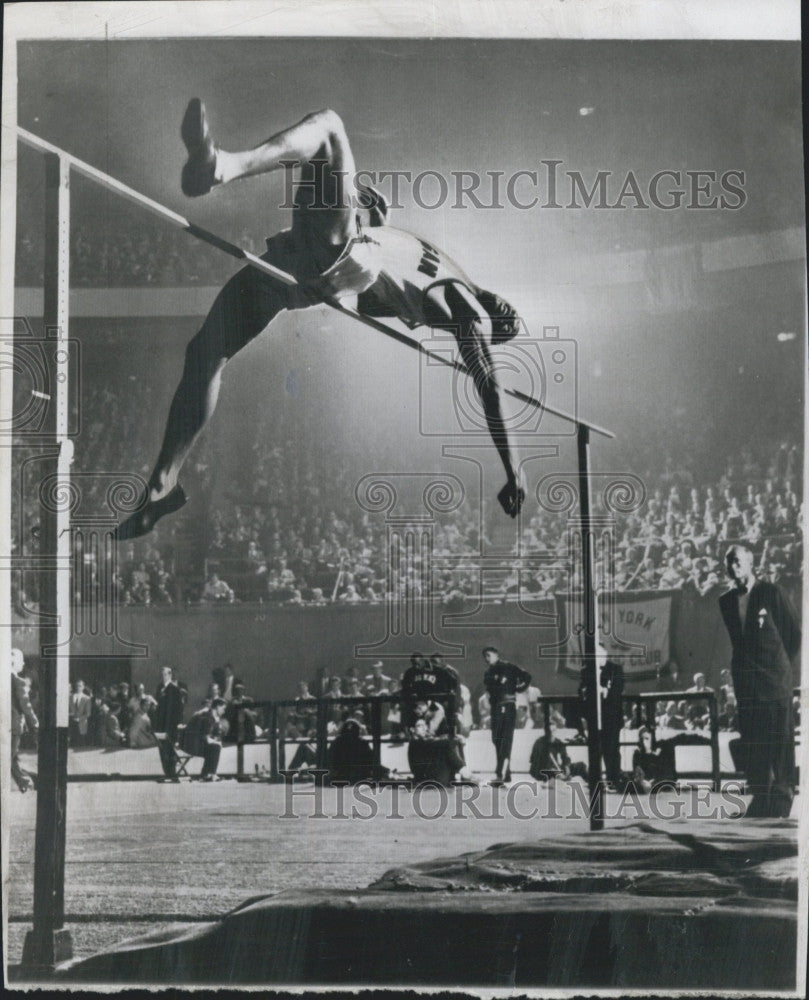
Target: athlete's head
column 491, row 655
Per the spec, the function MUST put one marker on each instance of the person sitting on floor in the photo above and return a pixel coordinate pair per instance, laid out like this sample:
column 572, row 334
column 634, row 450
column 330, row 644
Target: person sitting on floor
column 650, row 766
column 140, row 728
column 550, row 759
column 350, row 758
column 432, row 758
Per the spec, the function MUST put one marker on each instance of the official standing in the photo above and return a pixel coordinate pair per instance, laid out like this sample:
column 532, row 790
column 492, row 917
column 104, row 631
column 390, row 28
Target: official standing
column 503, row 681
column 168, row 715
column 610, row 690
column 765, row 637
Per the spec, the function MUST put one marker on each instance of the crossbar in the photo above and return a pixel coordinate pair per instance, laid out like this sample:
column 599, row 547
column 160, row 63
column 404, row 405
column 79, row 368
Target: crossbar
column 181, row 222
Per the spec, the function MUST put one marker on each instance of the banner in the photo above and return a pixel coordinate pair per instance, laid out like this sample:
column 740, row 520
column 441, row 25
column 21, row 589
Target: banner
column 639, row 627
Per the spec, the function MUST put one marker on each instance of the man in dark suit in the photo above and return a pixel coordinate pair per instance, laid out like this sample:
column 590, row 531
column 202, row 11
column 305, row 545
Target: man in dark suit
column 168, row 715
column 22, row 714
column 765, row 637
column 610, row 690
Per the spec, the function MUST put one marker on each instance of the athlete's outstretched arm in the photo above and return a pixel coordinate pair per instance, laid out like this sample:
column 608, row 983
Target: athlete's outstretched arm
column 452, row 307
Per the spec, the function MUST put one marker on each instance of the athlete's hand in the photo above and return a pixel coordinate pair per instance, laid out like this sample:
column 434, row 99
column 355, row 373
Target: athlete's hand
column 511, row 497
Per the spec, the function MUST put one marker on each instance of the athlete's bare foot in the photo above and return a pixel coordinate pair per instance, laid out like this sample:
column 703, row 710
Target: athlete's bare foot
column 199, row 170
column 143, row 520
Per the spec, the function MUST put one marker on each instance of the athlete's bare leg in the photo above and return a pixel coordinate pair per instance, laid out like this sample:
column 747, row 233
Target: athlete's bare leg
column 452, row 307
column 317, row 143
column 249, row 301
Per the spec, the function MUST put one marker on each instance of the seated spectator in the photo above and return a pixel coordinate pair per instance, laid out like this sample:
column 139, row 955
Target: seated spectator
column 353, row 688
column 241, row 717
column 350, row 758
column 700, row 685
column 305, row 708
column 728, row 718
column 352, row 674
column 97, row 720
column 203, row 737
column 334, row 692
column 432, row 758
column 135, row 702
column 650, row 767
column 550, row 759
column 377, row 682
column 674, row 716
column 114, row 737
column 698, row 714
column 140, row 735
column 725, row 688
column 218, row 591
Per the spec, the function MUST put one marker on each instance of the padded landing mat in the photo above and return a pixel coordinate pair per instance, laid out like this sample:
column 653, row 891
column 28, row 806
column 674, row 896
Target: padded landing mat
column 644, row 905
column 725, row 860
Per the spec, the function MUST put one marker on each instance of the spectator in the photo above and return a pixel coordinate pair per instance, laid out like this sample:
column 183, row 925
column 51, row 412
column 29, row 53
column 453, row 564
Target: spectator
column 140, row 735
column 168, row 717
column 218, row 591
column 550, row 759
column 114, row 736
column 649, row 767
column 305, row 708
column 350, row 758
column 431, row 758
column 728, row 718
column 203, row 737
column 80, row 706
column 241, row 717
column 122, row 707
column 225, row 680
column 377, row 682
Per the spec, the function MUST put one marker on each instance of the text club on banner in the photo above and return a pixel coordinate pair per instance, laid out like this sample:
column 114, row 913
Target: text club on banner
column 636, row 631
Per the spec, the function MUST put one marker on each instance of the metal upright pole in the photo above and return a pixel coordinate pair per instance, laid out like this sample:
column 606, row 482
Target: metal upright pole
column 590, row 607
column 49, row 943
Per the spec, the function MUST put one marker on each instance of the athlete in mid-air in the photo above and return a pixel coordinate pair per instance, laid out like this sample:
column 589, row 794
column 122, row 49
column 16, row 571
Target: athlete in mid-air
column 331, row 254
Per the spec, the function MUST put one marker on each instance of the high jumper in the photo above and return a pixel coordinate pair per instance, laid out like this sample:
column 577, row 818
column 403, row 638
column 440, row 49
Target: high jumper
column 337, row 246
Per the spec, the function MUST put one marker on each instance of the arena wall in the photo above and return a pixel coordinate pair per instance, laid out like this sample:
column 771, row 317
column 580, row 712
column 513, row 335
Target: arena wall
column 272, row 648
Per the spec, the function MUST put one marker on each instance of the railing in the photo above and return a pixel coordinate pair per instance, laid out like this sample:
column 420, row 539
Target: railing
column 275, row 712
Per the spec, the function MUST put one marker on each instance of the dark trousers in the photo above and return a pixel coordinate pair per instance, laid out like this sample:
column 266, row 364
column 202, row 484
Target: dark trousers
column 610, row 744
column 168, row 757
column 611, row 748
column 305, row 754
column 210, row 757
column 766, row 728
column 504, row 720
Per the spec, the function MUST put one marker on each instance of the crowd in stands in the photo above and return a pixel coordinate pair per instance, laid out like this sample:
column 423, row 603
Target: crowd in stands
column 676, row 541
column 132, row 256
column 289, row 530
